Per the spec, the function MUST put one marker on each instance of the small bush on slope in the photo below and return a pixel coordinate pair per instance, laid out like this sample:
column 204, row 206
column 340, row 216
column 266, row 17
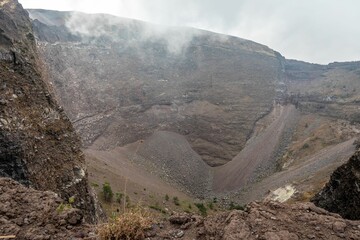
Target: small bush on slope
column 107, row 192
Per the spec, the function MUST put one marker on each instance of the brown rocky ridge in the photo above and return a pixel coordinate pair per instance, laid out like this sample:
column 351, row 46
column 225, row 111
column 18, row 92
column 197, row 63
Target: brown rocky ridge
column 29, row 214
column 342, row 193
column 38, row 145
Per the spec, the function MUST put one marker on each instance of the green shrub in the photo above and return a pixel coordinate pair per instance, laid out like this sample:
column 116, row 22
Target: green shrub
column 118, row 197
column 202, row 208
column 306, row 145
column 107, row 192
column 62, row 207
column 157, row 208
column 176, row 201
column 71, row 200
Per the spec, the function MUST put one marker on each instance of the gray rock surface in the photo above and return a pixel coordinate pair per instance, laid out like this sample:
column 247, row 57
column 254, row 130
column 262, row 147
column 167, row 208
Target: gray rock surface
column 342, row 193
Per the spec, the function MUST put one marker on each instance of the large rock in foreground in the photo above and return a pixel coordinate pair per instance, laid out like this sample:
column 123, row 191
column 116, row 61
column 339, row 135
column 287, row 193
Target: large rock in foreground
column 38, row 145
column 342, row 193
column 268, row 221
column 30, row 214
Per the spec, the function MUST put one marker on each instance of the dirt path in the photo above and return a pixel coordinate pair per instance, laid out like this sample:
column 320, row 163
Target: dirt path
column 258, row 155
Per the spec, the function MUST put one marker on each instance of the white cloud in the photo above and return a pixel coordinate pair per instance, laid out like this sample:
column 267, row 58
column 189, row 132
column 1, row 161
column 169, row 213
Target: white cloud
column 319, row 31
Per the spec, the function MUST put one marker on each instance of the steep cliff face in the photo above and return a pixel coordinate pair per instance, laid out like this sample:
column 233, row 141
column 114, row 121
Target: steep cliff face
column 329, row 90
column 38, row 145
column 120, row 80
column 342, row 193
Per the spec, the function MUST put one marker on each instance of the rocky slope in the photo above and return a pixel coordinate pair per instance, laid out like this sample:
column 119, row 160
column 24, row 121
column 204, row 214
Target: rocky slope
column 342, row 193
column 30, row 214
column 123, row 80
column 267, row 220
column 38, row 145
column 329, row 90
column 170, row 156
column 23, row 215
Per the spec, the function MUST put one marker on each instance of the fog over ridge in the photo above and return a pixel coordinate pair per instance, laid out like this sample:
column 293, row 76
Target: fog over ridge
column 320, row 31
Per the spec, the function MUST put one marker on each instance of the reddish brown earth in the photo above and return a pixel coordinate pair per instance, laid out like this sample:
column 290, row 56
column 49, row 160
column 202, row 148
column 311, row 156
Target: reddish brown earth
column 38, row 144
column 30, row 214
column 266, row 221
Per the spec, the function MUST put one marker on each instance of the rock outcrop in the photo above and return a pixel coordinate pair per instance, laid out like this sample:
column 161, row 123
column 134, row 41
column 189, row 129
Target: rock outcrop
column 342, row 193
column 38, row 145
column 329, row 90
column 30, row 214
column 269, row 220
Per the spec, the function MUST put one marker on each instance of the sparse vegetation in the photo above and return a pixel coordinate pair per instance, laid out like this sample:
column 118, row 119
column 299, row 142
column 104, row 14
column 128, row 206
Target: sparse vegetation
column 118, row 197
column 202, row 209
column 127, row 200
column 176, row 201
column 71, row 200
column 305, row 146
column 62, row 207
column 107, row 192
column 234, row 206
column 157, row 208
column 130, row 225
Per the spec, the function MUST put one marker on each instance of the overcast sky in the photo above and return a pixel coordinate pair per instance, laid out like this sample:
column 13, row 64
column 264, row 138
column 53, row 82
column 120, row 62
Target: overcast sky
column 319, row 31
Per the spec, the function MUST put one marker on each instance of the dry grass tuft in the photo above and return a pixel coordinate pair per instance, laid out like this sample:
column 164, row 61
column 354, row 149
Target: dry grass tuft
column 130, row 225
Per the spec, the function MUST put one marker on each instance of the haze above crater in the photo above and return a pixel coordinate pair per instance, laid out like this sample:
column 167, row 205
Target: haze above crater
column 320, row 31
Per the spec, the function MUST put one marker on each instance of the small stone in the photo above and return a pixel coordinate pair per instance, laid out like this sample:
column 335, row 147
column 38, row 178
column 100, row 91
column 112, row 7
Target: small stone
column 74, row 216
column 341, row 235
column 271, row 236
column 339, row 226
column 179, row 219
column 3, row 102
column 180, row 234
